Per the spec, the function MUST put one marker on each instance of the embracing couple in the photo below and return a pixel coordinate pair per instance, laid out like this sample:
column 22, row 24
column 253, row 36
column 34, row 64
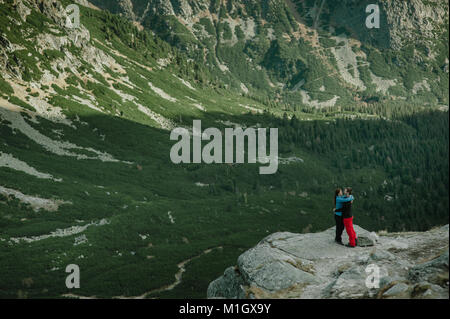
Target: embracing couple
column 343, row 216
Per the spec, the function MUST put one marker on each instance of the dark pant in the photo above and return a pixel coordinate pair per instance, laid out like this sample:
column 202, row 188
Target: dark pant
column 339, row 227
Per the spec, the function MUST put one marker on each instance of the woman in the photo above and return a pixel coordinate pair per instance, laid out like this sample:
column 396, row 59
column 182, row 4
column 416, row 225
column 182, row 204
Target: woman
column 338, row 217
column 339, row 201
column 347, row 217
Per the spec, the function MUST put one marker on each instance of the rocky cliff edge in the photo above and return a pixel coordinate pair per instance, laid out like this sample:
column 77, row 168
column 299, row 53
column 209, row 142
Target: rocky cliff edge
column 390, row 265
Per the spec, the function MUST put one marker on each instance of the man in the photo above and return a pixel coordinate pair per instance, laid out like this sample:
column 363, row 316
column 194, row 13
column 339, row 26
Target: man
column 339, row 200
column 347, row 217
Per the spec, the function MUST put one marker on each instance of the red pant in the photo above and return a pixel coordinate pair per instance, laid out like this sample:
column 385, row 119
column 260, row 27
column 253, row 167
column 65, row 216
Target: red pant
column 348, row 223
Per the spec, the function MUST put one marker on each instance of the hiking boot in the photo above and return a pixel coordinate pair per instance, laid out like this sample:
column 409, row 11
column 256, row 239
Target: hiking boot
column 348, row 245
column 339, row 242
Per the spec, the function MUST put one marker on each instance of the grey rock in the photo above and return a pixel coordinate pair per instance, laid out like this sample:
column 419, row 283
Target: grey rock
column 227, row 286
column 364, row 241
column 434, row 271
column 400, row 290
column 22, row 10
column 273, row 269
column 380, row 255
column 435, row 292
column 84, row 3
column 350, row 284
column 386, row 281
column 425, row 290
column 312, row 265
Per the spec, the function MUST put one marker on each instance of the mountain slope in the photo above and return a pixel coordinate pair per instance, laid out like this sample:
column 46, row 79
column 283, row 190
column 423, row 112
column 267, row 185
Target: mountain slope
column 309, row 53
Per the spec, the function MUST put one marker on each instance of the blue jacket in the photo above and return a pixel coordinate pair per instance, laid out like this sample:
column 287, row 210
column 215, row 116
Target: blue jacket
column 340, row 200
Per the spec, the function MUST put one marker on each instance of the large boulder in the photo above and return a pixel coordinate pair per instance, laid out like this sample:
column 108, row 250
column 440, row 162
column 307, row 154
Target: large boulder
column 288, row 265
column 434, row 271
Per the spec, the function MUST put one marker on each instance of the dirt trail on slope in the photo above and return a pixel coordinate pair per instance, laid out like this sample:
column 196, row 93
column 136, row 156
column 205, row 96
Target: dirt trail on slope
column 178, row 280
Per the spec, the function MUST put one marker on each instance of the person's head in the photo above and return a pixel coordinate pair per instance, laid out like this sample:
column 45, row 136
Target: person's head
column 348, row 191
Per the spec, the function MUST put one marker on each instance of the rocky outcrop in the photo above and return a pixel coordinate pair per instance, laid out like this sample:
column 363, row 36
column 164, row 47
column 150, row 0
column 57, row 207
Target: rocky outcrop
column 408, row 19
column 287, row 265
column 401, row 22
